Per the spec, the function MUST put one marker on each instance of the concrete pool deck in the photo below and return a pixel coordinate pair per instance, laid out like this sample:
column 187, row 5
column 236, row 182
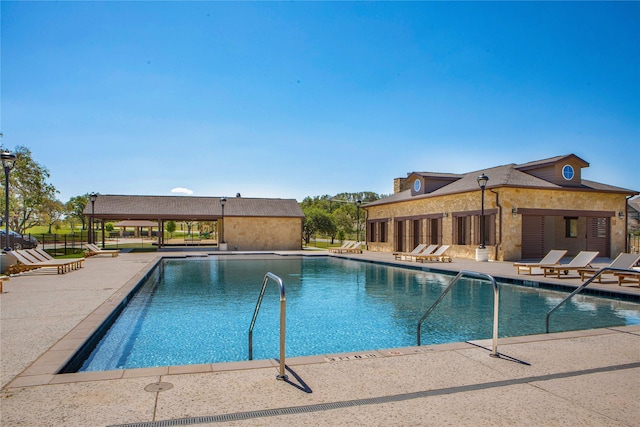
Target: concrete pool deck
column 572, row 378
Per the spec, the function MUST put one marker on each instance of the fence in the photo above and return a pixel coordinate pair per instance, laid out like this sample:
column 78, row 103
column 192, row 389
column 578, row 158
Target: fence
column 633, row 243
column 63, row 243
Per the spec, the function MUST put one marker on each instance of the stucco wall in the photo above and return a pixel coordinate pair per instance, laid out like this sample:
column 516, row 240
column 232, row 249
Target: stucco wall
column 263, row 234
column 508, row 226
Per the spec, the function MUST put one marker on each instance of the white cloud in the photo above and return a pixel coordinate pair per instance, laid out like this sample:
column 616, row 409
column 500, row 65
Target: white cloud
column 181, row 190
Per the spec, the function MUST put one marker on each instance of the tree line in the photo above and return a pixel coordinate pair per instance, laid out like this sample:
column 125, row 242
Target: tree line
column 33, row 199
column 33, row 202
column 336, row 217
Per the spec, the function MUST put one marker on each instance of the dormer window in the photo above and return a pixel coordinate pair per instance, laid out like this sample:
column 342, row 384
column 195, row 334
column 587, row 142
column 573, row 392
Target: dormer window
column 417, row 185
column 568, row 172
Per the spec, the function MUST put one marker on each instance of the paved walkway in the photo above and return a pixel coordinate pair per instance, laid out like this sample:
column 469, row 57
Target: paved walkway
column 574, row 378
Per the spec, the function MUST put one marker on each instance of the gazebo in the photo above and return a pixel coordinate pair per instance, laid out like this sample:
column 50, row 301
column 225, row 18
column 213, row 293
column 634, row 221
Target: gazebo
column 137, row 226
column 247, row 224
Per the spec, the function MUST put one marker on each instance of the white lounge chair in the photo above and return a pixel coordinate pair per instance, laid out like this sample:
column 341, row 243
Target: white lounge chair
column 94, row 250
column 581, row 261
column 41, row 255
column 438, row 255
column 27, row 263
column 356, row 249
column 418, row 249
column 345, row 245
column 622, row 261
column 552, row 258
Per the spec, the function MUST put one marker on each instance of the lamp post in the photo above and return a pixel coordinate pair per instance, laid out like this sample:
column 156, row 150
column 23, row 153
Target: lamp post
column 223, row 201
column 358, row 203
column 8, row 162
column 481, row 253
column 92, row 197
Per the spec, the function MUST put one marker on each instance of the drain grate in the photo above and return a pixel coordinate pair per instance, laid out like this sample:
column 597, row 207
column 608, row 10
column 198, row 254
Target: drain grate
column 372, row 401
column 158, row 387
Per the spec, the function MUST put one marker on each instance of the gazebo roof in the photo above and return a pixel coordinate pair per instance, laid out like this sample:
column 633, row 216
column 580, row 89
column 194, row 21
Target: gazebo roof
column 154, row 208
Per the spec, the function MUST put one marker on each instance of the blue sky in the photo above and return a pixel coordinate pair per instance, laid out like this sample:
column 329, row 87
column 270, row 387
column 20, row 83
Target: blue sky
column 295, row 99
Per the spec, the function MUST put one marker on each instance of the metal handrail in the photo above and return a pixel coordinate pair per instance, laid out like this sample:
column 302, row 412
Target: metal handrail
column 496, row 300
column 283, row 310
column 581, row 287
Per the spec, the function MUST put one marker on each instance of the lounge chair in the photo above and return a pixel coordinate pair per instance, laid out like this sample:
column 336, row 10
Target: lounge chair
column 355, row 249
column 552, row 258
column 622, row 261
column 345, row 245
column 429, row 250
column 94, row 250
column 418, row 249
column 27, row 263
column 581, row 261
column 41, row 255
column 633, row 276
column 438, row 255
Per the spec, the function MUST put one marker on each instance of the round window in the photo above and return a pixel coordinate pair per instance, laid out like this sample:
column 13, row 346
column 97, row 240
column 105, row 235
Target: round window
column 567, row 172
column 416, row 185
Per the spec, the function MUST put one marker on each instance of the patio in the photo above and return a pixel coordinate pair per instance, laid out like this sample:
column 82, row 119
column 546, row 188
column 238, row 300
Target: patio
column 571, row 378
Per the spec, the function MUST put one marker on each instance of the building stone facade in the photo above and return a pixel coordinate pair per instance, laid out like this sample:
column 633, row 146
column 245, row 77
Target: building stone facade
column 529, row 209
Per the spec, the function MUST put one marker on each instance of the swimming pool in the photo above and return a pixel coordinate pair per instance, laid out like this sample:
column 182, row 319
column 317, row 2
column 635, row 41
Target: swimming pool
column 193, row 311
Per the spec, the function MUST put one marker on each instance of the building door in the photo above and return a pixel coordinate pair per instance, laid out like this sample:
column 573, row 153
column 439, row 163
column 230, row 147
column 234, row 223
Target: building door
column 532, row 236
column 434, row 231
column 598, row 235
column 400, row 236
column 417, row 233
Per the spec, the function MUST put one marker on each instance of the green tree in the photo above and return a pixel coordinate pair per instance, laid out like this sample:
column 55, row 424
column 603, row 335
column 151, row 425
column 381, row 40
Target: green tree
column 75, row 208
column 29, row 191
column 317, row 221
column 343, row 208
column 52, row 212
column 170, row 226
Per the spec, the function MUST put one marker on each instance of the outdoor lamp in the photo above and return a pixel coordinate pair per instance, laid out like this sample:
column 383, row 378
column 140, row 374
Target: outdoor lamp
column 482, row 182
column 92, row 197
column 223, row 201
column 8, row 162
column 358, row 203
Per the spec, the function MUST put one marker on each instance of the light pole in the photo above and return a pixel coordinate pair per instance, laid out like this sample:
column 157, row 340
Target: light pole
column 223, row 201
column 92, row 197
column 8, row 162
column 482, row 182
column 358, row 203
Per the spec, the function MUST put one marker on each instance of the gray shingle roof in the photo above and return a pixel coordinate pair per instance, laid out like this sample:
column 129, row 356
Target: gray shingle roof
column 500, row 176
column 551, row 160
column 185, row 207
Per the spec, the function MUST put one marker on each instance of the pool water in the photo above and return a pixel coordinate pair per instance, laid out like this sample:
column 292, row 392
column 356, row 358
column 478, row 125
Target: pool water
column 193, row 311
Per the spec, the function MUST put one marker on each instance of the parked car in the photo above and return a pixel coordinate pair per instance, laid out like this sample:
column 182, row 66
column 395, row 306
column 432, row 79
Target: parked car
column 17, row 240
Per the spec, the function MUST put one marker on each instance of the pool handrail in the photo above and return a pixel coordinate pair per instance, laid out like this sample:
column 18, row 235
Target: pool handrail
column 581, row 287
column 496, row 302
column 283, row 310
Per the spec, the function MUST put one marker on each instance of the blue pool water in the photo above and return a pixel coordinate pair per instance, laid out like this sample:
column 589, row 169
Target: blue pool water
column 193, row 311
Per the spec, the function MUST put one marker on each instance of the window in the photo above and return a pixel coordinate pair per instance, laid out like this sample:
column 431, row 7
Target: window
column 571, row 226
column 467, row 230
column 377, row 231
column 434, row 231
column 489, row 229
column 382, row 236
column 462, row 230
column 567, row 172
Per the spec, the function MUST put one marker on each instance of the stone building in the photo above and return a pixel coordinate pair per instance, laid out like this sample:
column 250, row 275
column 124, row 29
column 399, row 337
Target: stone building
column 529, row 209
column 246, row 224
